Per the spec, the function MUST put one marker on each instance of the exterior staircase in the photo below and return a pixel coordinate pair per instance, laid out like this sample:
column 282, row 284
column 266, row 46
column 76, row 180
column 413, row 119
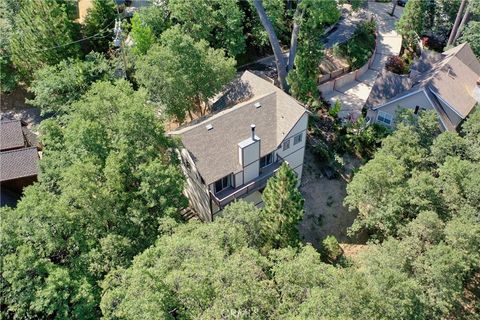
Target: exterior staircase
column 189, row 214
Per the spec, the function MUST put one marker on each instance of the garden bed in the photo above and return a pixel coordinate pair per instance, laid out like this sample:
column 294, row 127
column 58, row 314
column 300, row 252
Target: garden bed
column 358, row 49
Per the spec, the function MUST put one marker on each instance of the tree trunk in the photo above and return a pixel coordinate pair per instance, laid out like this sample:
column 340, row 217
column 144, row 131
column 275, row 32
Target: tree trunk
column 393, row 8
column 454, row 31
column 466, row 18
column 277, row 51
column 297, row 17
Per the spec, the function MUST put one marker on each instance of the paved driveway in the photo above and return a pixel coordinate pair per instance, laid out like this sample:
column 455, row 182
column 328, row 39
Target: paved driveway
column 345, row 28
column 354, row 94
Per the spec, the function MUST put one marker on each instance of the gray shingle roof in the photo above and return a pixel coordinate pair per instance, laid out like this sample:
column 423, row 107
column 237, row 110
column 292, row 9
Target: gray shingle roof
column 11, row 135
column 453, row 77
column 18, row 163
column 386, row 86
column 215, row 151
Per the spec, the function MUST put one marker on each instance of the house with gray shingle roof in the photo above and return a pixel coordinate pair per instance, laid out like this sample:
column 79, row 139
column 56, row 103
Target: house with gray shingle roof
column 447, row 83
column 18, row 160
column 231, row 153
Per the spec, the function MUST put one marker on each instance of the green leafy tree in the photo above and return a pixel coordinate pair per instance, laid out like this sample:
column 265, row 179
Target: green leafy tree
column 108, row 180
column 309, row 15
column 44, row 35
column 249, row 217
column 142, row 35
column 283, row 208
column 8, row 75
column 377, row 192
column 448, row 144
column 276, row 12
column 57, row 87
column 99, row 23
column 156, row 17
column 182, row 74
column 471, row 131
column 303, row 78
column 217, row 21
column 200, row 271
column 332, row 248
column 296, row 274
column 471, row 34
column 411, row 173
column 412, row 21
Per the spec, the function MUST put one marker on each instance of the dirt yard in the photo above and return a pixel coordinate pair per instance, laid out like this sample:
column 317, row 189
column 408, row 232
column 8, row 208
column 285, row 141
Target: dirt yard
column 324, row 211
column 13, row 106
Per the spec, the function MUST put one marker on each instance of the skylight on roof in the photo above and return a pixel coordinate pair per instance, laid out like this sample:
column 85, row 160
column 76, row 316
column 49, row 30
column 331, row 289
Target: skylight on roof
column 209, row 126
column 257, row 105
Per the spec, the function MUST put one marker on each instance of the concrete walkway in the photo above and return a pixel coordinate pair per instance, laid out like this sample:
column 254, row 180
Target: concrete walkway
column 353, row 95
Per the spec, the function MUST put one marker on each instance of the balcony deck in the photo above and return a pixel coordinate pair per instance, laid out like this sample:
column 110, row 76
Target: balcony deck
column 226, row 196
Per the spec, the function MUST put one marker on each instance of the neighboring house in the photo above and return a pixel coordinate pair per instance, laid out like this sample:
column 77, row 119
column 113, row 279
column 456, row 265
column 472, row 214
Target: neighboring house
column 18, row 160
column 231, row 154
column 126, row 6
column 444, row 82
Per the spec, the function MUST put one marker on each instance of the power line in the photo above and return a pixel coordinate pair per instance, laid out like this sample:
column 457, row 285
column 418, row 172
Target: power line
column 83, row 39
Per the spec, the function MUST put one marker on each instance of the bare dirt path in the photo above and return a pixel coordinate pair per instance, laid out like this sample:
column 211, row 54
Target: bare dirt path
column 324, row 211
column 13, row 106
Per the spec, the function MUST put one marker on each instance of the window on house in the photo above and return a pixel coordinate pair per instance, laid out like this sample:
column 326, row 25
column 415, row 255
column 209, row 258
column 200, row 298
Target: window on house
column 384, row 117
column 286, row 144
column 266, row 160
column 222, row 184
column 297, row 139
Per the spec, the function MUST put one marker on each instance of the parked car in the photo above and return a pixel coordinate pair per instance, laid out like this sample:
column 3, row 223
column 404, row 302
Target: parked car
column 402, row 3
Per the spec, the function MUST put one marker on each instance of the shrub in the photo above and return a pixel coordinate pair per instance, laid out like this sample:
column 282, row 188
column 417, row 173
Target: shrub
column 360, row 47
column 331, row 249
column 396, row 65
column 323, row 153
column 335, row 109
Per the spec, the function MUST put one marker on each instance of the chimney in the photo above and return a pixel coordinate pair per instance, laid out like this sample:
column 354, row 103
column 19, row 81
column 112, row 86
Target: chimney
column 252, row 126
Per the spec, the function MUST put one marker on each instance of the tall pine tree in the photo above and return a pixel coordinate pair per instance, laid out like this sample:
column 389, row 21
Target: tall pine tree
column 44, row 35
column 283, row 209
column 99, row 24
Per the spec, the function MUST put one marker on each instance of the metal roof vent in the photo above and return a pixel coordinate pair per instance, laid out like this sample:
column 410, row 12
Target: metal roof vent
column 257, row 105
column 209, row 126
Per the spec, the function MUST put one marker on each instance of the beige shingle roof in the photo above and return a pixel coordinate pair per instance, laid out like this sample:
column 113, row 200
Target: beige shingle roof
column 215, row 151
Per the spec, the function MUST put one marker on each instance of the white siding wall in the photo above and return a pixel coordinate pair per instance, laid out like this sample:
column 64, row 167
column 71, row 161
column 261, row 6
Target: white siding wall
column 238, row 179
column 251, row 171
column 251, row 153
column 294, row 155
column 410, row 102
